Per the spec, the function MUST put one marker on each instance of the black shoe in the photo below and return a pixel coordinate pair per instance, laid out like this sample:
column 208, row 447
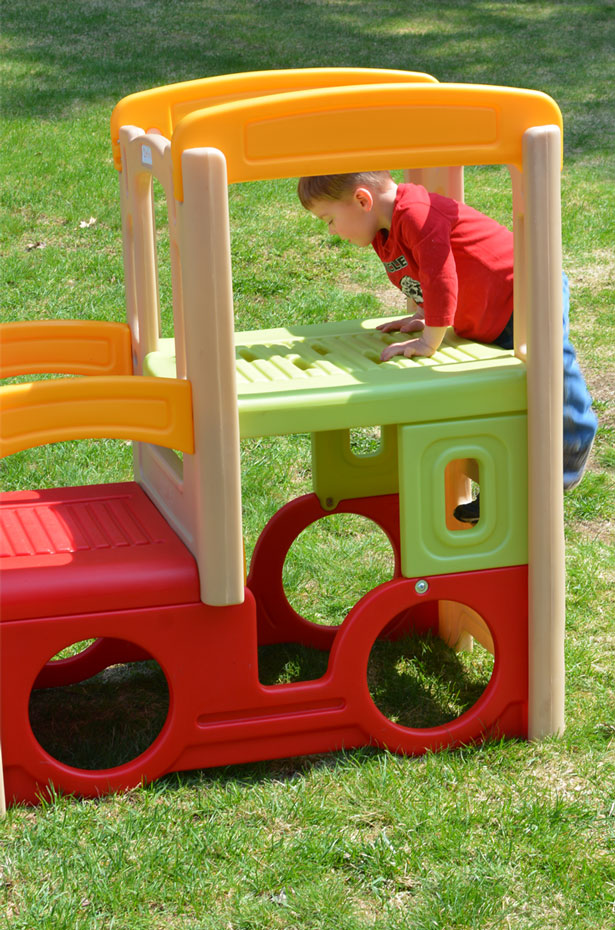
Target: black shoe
column 574, row 465
column 468, row 513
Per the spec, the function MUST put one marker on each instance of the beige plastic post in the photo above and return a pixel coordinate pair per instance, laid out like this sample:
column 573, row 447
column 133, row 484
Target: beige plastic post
column 146, row 156
column 543, row 295
column 140, row 263
column 519, row 245
column 204, row 237
column 459, row 626
column 199, row 496
column 446, row 181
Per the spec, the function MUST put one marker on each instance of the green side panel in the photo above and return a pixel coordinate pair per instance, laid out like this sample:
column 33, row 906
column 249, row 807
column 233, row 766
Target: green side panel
column 161, row 364
column 338, row 473
column 499, row 446
column 329, row 377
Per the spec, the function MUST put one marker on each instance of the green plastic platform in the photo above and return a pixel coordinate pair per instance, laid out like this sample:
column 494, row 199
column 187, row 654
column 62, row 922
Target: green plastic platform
column 307, row 379
column 466, row 402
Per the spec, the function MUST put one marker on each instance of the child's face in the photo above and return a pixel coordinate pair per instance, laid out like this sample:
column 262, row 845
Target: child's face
column 352, row 218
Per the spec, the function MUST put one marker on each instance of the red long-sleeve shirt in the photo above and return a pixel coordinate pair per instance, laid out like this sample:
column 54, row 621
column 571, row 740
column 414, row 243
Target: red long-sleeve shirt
column 462, row 259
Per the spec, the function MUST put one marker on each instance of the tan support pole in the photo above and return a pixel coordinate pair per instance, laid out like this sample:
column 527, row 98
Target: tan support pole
column 541, row 159
column 210, row 355
column 445, row 181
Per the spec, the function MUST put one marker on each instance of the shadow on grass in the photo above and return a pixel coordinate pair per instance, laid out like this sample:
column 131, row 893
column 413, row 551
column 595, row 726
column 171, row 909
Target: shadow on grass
column 63, row 56
column 105, row 721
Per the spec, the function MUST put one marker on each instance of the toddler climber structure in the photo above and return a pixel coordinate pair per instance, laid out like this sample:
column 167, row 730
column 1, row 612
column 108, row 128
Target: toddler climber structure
column 155, row 567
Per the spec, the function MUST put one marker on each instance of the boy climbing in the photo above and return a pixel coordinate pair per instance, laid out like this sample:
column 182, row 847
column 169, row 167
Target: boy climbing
column 457, row 265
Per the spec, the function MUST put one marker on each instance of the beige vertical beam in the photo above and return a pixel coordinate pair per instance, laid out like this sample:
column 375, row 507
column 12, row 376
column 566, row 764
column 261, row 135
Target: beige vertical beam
column 127, row 133
column 141, row 155
column 213, row 472
column 543, row 254
column 445, row 181
column 519, row 245
column 145, row 156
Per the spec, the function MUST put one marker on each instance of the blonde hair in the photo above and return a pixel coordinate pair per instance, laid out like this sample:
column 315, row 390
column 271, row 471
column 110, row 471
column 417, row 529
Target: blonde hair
column 338, row 186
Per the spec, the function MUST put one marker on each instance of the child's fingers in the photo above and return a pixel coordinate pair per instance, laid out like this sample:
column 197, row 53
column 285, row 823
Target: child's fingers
column 408, row 324
column 390, row 327
column 412, row 326
column 397, row 348
column 410, row 349
column 389, row 352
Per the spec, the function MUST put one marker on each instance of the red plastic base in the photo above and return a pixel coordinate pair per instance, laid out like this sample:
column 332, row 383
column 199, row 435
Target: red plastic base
column 219, row 712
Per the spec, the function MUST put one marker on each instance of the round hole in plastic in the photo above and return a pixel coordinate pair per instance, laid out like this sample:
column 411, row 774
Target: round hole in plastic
column 429, row 677
column 105, row 720
column 333, row 563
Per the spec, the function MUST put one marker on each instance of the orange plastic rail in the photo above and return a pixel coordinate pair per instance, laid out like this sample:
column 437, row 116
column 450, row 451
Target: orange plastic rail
column 156, row 410
column 325, row 130
column 161, row 108
column 71, row 347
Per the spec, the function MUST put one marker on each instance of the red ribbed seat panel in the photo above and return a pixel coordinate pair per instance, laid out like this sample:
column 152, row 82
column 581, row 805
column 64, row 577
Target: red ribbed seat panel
column 75, row 550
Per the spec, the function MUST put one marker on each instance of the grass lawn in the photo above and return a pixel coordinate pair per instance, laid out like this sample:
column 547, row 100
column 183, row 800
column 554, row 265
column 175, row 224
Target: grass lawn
column 514, row 835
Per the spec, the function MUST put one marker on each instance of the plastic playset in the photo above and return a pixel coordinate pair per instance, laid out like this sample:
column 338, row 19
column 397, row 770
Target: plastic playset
column 154, row 568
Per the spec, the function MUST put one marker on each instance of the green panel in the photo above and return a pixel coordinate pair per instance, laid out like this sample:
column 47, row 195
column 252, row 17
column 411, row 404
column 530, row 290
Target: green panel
column 339, row 474
column 329, row 377
column 161, row 364
column 499, row 446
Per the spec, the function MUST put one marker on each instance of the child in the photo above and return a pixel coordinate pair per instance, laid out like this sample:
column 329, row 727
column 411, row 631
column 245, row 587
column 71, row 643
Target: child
column 457, row 265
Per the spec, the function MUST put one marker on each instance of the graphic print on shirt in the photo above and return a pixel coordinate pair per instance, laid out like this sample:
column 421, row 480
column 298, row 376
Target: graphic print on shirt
column 411, row 288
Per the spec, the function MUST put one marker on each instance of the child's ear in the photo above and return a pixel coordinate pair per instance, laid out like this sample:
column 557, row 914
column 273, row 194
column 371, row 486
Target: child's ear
column 364, row 197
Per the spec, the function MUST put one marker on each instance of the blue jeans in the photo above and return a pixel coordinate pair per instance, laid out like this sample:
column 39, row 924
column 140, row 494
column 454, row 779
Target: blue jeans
column 580, row 421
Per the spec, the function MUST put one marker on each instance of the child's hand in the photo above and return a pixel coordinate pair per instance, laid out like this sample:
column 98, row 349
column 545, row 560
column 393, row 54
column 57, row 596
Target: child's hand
column 425, row 345
column 409, row 349
column 409, row 324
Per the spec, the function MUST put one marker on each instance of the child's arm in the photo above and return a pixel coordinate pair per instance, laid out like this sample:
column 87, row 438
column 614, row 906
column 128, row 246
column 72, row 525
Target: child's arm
column 428, row 343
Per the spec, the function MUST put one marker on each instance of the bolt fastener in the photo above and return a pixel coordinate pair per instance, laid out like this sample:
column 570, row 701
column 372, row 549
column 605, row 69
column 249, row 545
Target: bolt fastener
column 421, row 587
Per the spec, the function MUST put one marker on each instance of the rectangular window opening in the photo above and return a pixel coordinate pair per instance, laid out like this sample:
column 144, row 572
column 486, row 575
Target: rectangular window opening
column 366, row 441
column 462, row 494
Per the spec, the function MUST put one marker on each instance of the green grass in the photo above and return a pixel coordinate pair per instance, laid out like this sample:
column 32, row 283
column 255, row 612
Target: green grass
column 513, row 835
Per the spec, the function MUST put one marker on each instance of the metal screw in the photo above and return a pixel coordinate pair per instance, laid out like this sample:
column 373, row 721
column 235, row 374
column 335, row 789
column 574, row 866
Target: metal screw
column 421, row 587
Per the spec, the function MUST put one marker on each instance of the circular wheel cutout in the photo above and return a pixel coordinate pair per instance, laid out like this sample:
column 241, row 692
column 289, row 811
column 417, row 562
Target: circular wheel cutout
column 430, row 671
column 333, row 563
column 108, row 718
